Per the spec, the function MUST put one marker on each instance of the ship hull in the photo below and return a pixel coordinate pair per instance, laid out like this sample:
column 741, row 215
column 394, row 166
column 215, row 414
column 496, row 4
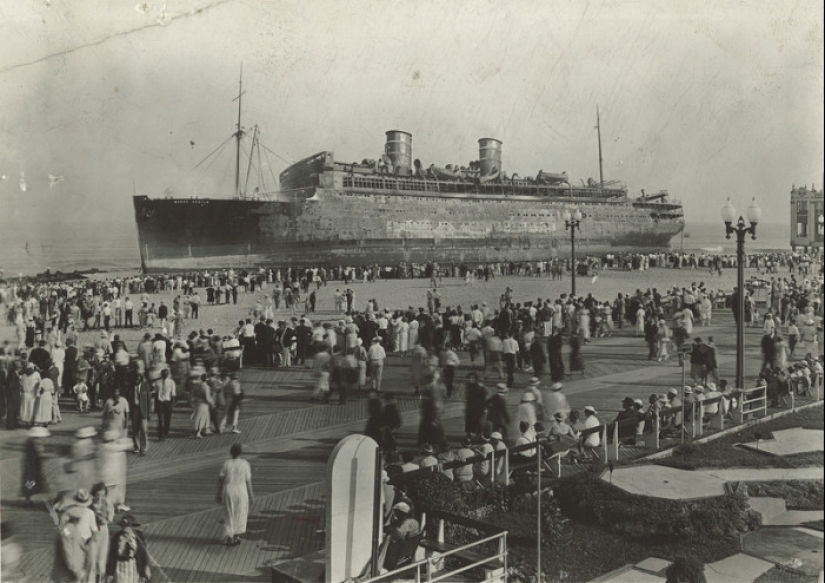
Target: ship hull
column 340, row 227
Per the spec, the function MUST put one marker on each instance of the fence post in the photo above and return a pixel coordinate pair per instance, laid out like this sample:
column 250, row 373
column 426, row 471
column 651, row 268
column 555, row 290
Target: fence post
column 717, row 422
column 604, row 442
column 613, row 451
column 764, row 402
column 740, row 411
column 652, row 439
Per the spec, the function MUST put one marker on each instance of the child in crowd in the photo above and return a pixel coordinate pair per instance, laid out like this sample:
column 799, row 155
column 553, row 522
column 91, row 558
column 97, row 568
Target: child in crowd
column 81, row 391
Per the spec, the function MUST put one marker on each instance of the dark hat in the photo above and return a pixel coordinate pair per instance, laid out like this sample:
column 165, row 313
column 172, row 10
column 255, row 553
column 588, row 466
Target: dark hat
column 128, row 520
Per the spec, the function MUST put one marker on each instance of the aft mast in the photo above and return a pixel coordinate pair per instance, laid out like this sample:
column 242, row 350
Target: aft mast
column 238, row 135
column 599, row 133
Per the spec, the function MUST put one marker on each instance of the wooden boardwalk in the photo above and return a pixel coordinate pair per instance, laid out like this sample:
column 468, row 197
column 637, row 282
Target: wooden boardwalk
column 287, row 439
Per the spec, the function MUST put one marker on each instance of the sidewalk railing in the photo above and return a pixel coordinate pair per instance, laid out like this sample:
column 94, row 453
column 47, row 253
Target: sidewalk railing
column 731, row 409
column 442, row 559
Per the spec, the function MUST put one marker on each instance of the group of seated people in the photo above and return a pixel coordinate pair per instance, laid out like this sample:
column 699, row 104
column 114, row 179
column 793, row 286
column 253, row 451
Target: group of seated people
column 802, row 378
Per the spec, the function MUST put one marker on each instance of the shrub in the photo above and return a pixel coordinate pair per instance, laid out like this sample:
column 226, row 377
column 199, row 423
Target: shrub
column 554, row 524
column 434, row 491
column 686, row 570
column 798, row 494
column 594, row 501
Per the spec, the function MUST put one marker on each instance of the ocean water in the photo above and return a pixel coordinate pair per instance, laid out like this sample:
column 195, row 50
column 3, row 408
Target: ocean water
column 32, row 248
column 710, row 238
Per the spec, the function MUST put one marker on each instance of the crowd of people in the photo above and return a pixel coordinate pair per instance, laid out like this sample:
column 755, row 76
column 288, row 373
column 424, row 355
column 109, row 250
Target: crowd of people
column 126, row 386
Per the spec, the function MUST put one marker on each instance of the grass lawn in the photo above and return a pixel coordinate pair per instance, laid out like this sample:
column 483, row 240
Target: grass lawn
column 798, row 494
column 722, row 452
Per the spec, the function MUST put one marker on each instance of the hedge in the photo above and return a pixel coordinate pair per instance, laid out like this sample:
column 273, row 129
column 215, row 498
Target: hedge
column 590, row 500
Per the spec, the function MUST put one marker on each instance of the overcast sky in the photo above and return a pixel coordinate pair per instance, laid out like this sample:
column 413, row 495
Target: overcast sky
column 704, row 99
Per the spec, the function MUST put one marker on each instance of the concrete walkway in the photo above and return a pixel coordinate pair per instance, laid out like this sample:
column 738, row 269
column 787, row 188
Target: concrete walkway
column 676, row 484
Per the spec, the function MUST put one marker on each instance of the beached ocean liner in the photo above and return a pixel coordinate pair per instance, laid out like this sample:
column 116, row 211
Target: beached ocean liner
column 394, row 210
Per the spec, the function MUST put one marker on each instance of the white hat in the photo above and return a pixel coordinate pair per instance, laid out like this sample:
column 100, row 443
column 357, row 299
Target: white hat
column 85, row 432
column 82, row 497
column 502, row 388
column 528, row 396
column 688, row 391
column 711, row 386
column 535, row 381
column 638, row 402
column 109, row 435
column 672, row 392
column 556, row 387
column 590, row 409
column 402, row 507
column 496, row 435
column 38, row 432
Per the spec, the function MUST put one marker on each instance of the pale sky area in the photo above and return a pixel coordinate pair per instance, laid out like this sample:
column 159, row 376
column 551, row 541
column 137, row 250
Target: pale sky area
column 703, row 99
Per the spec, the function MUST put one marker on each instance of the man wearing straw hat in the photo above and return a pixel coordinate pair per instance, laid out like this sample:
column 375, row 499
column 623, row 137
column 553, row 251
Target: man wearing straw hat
column 77, row 524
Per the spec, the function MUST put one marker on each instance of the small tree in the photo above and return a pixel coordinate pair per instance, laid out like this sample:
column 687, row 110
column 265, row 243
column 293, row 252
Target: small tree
column 686, row 570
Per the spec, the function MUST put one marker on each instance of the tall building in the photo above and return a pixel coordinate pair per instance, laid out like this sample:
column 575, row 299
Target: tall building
column 807, row 219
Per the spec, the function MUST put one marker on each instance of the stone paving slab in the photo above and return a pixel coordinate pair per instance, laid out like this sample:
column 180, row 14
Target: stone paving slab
column 768, row 507
column 790, row 441
column 673, row 483
column 654, row 565
column 789, row 547
column 810, row 531
column 795, row 517
column 736, row 568
column 768, row 474
column 629, row 575
column 665, row 482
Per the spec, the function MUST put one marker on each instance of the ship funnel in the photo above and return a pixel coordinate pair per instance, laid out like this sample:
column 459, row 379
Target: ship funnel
column 489, row 155
column 399, row 149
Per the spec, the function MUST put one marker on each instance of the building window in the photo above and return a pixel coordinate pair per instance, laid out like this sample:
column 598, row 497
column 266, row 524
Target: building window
column 801, row 228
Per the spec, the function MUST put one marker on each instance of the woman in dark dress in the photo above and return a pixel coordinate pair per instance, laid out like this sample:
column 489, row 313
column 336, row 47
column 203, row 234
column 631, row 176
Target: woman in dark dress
column 576, row 361
column 475, row 412
column 33, row 453
column 556, row 362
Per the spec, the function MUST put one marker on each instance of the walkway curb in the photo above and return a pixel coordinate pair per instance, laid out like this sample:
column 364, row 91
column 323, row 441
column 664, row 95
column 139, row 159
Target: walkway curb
column 779, row 414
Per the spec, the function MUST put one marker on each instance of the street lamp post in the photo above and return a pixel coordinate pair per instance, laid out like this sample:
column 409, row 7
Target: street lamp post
column 571, row 223
column 754, row 213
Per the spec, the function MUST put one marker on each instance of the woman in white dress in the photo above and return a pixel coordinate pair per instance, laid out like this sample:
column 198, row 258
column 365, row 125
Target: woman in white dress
column 235, row 494
column 413, row 335
column 403, row 336
column 396, row 334
column 58, row 358
column 31, row 387
column 43, row 402
column 203, row 401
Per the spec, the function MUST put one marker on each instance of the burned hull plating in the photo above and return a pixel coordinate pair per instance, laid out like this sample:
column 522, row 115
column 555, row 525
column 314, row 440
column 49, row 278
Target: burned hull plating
column 321, row 226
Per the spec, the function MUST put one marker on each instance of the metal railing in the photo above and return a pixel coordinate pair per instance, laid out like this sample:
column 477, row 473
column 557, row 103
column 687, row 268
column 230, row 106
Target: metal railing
column 431, row 569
